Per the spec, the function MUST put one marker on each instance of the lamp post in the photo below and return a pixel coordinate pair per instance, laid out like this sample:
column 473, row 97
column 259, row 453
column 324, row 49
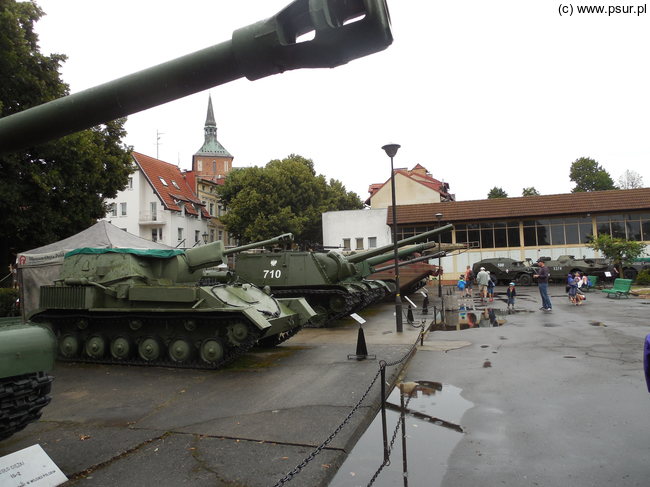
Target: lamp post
column 391, row 150
column 205, row 237
column 439, row 217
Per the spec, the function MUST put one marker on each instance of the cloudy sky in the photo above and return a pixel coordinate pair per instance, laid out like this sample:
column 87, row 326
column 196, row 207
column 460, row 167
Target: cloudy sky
column 501, row 93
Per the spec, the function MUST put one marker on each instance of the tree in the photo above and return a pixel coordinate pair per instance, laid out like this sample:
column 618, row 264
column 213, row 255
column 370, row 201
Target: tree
column 530, row 192
column 497, row 192
column 53, row 190
column 630, row 180
column 619, row 250
column 284, row 196
column 589, row 176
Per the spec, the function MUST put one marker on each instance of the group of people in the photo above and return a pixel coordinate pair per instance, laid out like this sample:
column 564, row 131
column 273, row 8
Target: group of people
column 485, row 286
column 574, row 287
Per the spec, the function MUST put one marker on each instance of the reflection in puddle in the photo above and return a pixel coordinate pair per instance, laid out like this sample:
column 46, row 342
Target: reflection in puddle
column 464, row 319
column 433, row 430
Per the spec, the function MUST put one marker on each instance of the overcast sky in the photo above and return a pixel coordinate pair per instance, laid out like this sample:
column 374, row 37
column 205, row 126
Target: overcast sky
column 482, row 93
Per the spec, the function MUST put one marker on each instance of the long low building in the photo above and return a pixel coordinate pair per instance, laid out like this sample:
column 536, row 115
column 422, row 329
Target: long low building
column 519, row 228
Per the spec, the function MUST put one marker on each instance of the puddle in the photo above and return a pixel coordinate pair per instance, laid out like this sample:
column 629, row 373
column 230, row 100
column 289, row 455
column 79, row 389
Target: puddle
column 432, row 432
column 464, row 319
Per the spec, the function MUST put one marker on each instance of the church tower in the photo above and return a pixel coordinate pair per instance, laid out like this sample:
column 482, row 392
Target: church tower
column 212, row 160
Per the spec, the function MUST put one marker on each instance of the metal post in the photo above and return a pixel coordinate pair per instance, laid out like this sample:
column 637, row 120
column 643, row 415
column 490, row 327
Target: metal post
column 439, row 217
column 404, row 462
column 391, row 150
column 384, row 429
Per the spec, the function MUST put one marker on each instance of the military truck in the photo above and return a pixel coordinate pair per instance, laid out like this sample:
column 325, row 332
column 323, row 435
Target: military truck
column 504, row 270
column 27, row 355
column 631, row 270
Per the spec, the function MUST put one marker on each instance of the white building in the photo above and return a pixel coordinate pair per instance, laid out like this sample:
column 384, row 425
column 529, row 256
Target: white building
column 159, row 205
column 356, row 229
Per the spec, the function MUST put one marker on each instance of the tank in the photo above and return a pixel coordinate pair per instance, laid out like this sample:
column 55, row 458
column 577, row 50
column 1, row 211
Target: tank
column 334, row 285
column 26, row 356
column 146, row 307
column 342, row 31
column 505, row 270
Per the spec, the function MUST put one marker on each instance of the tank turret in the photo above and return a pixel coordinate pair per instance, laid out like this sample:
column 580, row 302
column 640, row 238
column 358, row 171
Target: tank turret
column 147, row 307
column 332, row 283
column 343, row 31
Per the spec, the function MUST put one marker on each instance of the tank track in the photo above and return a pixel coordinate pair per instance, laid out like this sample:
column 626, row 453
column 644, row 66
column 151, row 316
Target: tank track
column 21, row 399
column 275, row 340
column 316, row 296
column 105, row 325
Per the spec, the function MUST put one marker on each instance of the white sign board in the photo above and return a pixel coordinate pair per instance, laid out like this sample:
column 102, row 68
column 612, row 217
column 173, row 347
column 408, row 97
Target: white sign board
column 608, row 274
column 30, row 466
column 357, row 318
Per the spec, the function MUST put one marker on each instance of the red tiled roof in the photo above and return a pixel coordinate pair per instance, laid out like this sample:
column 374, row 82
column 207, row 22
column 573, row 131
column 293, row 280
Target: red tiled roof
column 525, row 206
column 424, row 179
column 174, row 198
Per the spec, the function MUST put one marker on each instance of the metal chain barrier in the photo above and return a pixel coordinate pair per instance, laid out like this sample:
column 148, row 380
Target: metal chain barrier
column 356, row 407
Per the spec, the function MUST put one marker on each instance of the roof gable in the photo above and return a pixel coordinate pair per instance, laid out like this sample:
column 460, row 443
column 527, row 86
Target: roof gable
column 169, row 184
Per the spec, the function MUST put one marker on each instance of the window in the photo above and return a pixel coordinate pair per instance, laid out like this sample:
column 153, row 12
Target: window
column 221, row 235
column 372, row 242
column 180, row 234
column 359, row 243
column 130, row 183
column 154, row 211
column 156, row 234
column 162, row 180
column 199, row 165
column 197, row 235
column 175, row 185
column 113, row 209
column 123, row 209
column 212, row 235
column 211, row 209
column 346, row 244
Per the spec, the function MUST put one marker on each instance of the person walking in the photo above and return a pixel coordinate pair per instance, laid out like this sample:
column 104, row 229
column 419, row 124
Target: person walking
column 469, row 281
column 482, row 279
column 511, row 293
column 542, row 282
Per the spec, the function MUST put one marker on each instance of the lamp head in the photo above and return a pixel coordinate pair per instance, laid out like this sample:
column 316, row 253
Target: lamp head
column 391, row 149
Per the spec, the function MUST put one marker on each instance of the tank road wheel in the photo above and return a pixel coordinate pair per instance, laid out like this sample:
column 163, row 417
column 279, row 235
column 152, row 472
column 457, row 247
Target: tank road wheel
column 95, row 346
column 149, row 349
column 525, row 279
column 212, row 351
column 121, row 348
column 237, row 333
column 180, row 350
column 337, row 304
column 69, row 346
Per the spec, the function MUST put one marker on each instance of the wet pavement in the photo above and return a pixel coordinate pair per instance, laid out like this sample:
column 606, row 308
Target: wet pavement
column 541, row 398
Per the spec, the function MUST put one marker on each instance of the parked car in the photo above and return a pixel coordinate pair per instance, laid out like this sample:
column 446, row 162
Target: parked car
column 504, row 270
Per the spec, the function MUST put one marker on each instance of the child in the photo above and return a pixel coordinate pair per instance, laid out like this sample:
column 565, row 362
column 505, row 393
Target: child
column 573, row 290
column 490, row 290
column 461, row 285
column 511, row 292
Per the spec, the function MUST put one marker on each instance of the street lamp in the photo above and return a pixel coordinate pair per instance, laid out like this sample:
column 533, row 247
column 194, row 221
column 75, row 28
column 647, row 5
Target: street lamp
column 391, row 150
column 205, row 237
column 439, row 217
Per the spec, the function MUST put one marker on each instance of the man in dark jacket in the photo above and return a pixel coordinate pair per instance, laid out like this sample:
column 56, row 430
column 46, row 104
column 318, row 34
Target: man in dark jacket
column 542, row 282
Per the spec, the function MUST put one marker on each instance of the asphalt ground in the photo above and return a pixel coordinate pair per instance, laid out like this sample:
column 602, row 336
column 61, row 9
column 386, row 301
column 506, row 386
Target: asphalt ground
column 558, row 398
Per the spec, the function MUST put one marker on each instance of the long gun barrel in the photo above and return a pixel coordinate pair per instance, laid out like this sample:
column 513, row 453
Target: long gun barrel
column 343, row 30
column 402, row 252
column 385, row 248
column 214, row 253
column 409, row 262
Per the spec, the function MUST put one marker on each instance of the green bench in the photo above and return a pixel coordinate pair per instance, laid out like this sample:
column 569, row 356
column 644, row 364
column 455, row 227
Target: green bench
column 621, row 289
column 593, row 282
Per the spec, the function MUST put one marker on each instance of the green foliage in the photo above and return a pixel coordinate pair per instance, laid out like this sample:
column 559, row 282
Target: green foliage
column 643, row 277
column 497, row 192
column 530, row 192
column 52, row 190
column 589, row 176
column 284, row 196
column 619, row 250
column 8, row 297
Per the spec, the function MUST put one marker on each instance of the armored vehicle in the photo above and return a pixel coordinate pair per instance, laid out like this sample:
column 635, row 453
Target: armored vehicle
column 631, row 270
column 333, row 284
column 26, row 355
column 560, row 267
column 130, row 306
column 504, row 270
